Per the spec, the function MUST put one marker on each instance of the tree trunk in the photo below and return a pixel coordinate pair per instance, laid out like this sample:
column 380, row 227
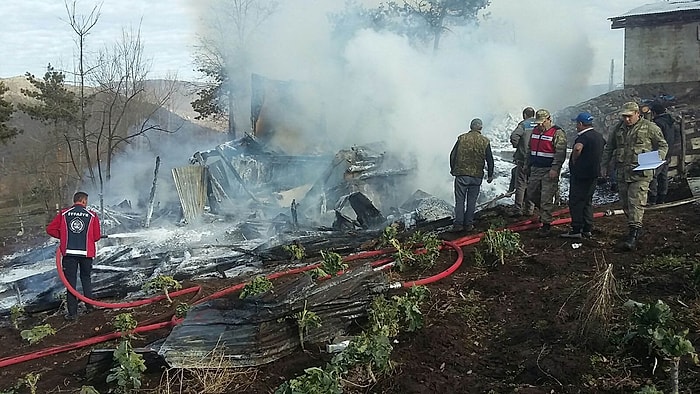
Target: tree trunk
column 436, row 40
column 438, row 29
column 231, row 116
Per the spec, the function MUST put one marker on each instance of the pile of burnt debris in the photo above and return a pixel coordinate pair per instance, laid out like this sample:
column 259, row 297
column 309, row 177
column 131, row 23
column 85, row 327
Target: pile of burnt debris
column 357, row 188
column 240, row 205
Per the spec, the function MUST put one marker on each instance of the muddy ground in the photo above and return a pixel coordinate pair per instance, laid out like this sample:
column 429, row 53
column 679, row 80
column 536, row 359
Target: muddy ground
column 489, row 327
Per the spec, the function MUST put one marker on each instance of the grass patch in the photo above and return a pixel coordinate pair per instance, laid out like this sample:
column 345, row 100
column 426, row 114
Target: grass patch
column 663, row 262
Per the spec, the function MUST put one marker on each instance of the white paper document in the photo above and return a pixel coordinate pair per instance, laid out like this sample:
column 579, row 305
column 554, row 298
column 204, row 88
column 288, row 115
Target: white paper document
column 648, row 161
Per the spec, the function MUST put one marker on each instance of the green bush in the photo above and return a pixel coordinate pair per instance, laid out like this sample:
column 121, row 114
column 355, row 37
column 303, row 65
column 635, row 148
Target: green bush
column 128, row 370
column 258, row 285
column 502, row 243
column 36, row 334
column 313, row 381
column 162, row 284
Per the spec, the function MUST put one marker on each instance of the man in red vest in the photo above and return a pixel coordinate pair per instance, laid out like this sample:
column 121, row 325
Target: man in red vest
column 78, row 229
column 547, row 155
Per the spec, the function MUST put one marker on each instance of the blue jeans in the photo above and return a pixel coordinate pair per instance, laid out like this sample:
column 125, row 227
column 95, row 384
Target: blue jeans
column 466, row 191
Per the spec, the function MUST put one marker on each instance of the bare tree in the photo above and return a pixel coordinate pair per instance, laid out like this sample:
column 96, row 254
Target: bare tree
column 222, row 55
column 125, row 107
column 116, row 105
column 82, row 25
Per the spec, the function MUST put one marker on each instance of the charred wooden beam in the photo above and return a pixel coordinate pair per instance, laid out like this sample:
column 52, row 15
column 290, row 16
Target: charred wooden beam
column 152, row 195
column 367, row 214
column 235, row 173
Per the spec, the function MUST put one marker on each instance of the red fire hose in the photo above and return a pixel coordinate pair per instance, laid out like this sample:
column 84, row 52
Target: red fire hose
column 76, row 345
column 111, row 305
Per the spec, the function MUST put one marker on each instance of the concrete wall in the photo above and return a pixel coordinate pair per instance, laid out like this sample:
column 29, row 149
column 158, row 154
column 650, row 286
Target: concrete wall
column 662, row 54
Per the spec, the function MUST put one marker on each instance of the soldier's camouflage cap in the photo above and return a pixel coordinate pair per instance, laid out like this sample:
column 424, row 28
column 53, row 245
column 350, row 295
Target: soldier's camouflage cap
column 541, row 116
column 629, row 108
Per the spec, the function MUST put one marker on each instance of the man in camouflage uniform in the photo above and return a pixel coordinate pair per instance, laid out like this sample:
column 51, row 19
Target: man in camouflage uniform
column 520, row 139
column 633, row 136
column 467, row 159
column 547, row 155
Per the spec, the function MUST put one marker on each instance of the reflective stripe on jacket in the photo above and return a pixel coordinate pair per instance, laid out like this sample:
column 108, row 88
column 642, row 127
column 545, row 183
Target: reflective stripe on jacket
column 542, row 147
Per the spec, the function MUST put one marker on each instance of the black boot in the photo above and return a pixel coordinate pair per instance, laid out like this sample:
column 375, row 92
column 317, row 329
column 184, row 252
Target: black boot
column 630, row 242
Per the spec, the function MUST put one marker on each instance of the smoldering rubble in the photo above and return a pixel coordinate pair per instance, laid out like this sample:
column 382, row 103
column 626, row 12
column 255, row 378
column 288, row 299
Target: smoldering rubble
column 240, row 204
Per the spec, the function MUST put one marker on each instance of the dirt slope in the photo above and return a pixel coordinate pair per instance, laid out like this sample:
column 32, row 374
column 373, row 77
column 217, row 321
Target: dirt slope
column 490, row 327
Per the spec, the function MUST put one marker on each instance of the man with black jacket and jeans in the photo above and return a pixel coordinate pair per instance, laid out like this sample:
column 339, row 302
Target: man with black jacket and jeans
column 78, row 229
column 584, row 166
column 658, row 187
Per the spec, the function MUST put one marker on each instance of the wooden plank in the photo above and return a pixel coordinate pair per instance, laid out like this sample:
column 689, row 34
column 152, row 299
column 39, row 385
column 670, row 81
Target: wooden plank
column 190, row 182
column 673, row 162
column 694, row 183
column 695, row 143
column 692, row 157
column 684, row 146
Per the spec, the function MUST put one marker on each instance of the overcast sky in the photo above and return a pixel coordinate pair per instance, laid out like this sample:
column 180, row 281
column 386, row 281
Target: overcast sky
column 35, row 32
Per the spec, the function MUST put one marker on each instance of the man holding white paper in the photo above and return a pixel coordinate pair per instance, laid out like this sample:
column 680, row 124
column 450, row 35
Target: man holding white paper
column 627, row 144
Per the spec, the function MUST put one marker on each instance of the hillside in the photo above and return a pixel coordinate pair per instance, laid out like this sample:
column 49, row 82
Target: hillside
column 39, row 162
column 183, row 93
column 522, row 326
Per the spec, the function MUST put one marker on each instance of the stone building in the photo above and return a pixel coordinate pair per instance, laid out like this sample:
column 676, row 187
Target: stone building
column 662, row 42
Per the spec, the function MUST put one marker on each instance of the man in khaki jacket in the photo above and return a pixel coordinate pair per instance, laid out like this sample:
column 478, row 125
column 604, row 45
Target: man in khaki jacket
column 467, row 158
column 634, row 135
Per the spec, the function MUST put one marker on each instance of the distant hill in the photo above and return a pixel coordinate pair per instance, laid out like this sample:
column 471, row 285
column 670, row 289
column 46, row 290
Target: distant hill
column 28, row 158
column 184, row 93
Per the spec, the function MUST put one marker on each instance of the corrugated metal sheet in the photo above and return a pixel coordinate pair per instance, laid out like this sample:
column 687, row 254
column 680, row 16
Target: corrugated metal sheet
column 662, row 7
column 190, row 182
column 658, row 14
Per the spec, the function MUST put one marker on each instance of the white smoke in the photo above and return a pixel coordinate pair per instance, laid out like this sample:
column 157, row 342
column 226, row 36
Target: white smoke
column 377, row 86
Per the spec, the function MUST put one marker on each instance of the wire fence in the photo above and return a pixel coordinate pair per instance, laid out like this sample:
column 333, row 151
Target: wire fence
column 15, row 223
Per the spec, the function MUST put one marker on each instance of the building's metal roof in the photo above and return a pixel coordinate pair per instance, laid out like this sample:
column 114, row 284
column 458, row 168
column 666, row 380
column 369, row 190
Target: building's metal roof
column 661, row 8
column 660, row 13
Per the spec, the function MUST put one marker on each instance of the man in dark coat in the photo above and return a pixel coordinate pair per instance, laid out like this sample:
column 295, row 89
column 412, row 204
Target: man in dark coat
column 658, row 187
column 584, row 166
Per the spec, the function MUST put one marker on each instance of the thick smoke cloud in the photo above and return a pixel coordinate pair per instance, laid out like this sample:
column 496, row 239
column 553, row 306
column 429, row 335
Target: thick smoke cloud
column 377, row 86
